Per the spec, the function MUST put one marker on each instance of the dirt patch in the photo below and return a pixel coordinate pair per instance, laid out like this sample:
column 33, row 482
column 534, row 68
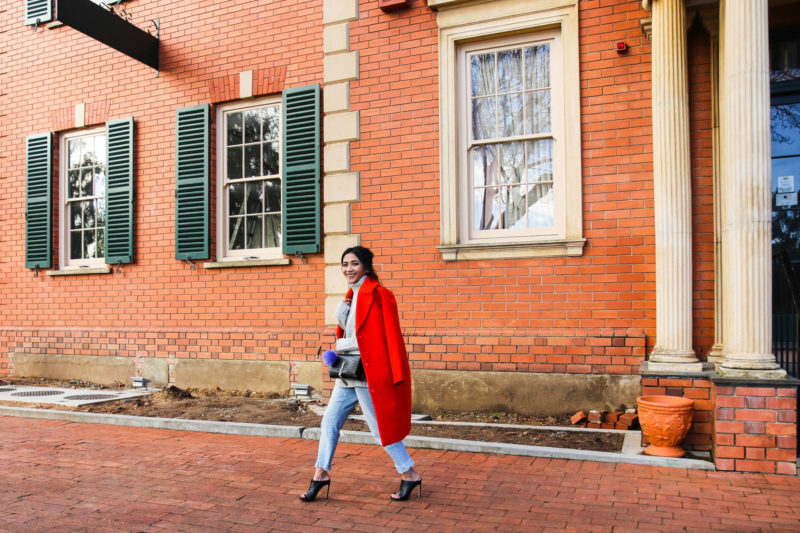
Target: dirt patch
column 270, row 409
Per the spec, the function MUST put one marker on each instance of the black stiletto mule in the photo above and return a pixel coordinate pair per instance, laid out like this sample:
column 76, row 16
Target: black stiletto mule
column 313, row 490
column 406, row 488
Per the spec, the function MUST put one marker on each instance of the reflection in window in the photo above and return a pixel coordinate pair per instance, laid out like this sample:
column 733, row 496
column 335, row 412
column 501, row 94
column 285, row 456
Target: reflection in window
column 253, row 180
column 511, row 144
column 85, row 202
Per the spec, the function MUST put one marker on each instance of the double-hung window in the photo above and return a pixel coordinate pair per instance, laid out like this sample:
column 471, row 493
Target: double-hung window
column 249, row 173
column 83, row 193
column 508, row 145
column 510, row 129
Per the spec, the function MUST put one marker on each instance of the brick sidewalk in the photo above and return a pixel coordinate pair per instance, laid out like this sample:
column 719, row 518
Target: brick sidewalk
column 84, row 477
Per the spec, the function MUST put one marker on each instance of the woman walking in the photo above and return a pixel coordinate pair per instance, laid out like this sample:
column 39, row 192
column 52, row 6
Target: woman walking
column 369, row 327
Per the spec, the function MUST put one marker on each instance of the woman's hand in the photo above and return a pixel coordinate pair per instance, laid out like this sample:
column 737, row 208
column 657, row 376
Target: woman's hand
column 348, row 301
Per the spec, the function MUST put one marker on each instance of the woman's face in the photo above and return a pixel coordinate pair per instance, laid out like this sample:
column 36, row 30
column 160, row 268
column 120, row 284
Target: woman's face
column 352, row 268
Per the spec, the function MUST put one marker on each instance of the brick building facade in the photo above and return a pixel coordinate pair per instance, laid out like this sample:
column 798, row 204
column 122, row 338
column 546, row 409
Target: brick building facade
column 539, row 309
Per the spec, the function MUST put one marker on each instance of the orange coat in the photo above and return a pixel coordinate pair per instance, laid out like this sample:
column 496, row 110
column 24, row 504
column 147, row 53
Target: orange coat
column 383, row 354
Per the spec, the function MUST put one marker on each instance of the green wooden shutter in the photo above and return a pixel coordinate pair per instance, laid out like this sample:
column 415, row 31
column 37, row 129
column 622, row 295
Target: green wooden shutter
column 38, row 200
column 119, row 191
column 301, row 169
column 38, row 11
column 191, row 182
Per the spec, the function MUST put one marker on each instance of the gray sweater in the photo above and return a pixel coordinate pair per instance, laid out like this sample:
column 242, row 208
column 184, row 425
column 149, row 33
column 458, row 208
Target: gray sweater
column 346, row 317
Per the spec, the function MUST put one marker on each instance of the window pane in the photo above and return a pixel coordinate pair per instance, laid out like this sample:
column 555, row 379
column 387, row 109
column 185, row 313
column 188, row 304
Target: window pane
column 75, row 248
column 537, row 111
column 75, row 216
column 234, row 128
column 271, row 117
column 509, row 71
column 541, row 213
column 100, row 150
column 236, row 199
column 100, row 212
column 99, row 181
column 73, row 176
column 537, row 67
column 255, row 197
column 87, row 182
column 252, row 161
column 235, row 163
column 271, row 159
column 516, row 208
column 539, row 166
column 254, row 232
column 484, row 118
column 484, row 165
column 236, row 235
column 273, row 194
column 101, row 243
column 512, row 162
column 74, row 149
column 272, row 231
column 512, row 120
column 89, row 245
column 489, row 207
column 88, row 214
column 482, row 74
column 252, row 125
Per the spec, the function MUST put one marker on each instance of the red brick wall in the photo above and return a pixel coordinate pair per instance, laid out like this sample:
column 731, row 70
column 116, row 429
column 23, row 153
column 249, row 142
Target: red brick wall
column 756, row 428
column 588, row 314
column 584, row 315
column 701, row 124
column 156, row 306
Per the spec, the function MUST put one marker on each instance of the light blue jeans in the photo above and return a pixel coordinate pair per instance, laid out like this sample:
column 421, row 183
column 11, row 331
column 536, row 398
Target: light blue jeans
column 343, row 400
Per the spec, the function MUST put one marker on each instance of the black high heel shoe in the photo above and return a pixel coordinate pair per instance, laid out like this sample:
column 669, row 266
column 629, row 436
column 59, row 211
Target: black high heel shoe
column 316, row 486
column 406, row 488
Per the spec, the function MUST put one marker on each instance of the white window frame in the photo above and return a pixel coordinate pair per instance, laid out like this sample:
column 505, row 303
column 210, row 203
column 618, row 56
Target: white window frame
column 223, row 253
column 65, row 263
column 468, row 26
column 467, row 232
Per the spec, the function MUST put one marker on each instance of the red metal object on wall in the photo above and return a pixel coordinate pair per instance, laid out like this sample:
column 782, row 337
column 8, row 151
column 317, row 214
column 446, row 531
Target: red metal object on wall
column 393, row 5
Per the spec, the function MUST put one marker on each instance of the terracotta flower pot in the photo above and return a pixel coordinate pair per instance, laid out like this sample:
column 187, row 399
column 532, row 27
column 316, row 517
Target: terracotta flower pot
column 665, row 421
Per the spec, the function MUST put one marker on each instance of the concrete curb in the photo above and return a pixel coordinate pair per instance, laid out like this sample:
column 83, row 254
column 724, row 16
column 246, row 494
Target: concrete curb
column 179, row 424
column 362, row 437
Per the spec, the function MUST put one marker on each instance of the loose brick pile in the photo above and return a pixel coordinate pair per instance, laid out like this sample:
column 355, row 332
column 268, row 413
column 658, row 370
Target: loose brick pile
column 605, row 420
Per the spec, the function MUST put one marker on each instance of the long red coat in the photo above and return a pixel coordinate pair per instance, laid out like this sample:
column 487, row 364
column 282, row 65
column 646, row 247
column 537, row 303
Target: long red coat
column 383, row 354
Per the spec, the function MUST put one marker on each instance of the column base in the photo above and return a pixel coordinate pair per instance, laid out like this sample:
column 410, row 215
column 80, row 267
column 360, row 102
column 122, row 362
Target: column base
column 715, row 355
column 674, row 361
column 672, row 368
column 751, row 373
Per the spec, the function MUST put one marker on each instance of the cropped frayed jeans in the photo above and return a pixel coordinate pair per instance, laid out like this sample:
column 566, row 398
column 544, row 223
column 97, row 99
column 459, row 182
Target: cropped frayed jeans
column 343, row 400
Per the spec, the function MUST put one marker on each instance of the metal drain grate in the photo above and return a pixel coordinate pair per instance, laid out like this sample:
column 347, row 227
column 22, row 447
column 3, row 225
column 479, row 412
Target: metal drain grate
column 90, row 397
column 38, row 393
column 7, row 389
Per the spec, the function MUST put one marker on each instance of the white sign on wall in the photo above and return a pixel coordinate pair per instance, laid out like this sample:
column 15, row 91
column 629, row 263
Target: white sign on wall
column 785, row 183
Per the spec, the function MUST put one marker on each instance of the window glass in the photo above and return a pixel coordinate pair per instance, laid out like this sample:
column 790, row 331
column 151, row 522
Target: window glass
column 85, row 199
column 252, row 181
column 511, row 139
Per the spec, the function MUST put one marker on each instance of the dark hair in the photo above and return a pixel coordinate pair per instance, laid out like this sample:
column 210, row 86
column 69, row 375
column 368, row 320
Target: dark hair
column 364, row 255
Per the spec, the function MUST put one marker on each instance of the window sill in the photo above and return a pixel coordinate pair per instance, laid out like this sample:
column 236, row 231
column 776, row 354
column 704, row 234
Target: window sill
column 512, row 250
column 248, row 263
column 79, row 271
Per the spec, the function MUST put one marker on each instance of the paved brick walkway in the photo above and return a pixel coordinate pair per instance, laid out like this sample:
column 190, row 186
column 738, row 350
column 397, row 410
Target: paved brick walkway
column 82, row 477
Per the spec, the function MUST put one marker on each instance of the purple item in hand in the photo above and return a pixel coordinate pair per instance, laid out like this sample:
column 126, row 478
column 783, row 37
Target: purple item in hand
column 329, row 357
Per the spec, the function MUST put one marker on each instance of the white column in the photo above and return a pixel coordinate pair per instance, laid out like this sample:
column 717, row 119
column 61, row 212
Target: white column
column 672, row 191
column 746, row 134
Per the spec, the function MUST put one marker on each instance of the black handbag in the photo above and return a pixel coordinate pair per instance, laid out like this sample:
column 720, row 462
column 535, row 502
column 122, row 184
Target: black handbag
column 347, row 367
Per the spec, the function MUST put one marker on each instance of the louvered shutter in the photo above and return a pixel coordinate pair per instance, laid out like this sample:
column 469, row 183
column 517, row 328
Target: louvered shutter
column 38, row 200
column 38, row 11
column 301, row 169
column 191, row 182
column 119, row 191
